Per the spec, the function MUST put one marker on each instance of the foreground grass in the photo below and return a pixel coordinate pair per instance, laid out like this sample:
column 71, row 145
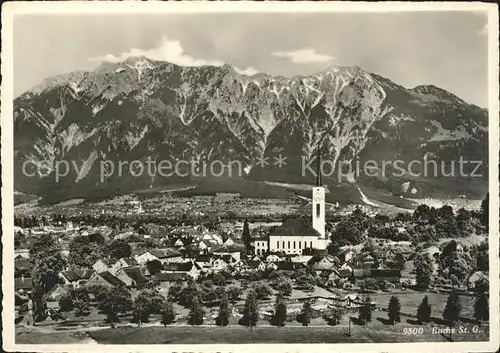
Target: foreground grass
column 240, row 334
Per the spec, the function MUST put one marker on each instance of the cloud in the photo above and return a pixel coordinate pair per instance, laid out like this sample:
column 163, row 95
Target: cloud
column 303, row 56
column 171, row 51
column 249, row 71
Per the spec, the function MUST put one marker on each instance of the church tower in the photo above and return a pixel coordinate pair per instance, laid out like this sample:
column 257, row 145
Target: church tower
column 318, row 203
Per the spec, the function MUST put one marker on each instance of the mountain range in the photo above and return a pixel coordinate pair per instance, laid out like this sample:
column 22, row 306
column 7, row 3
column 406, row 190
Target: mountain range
column 140, row 109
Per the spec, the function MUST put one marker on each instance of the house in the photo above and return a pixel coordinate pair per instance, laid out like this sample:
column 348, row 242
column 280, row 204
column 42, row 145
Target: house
column 203, row 260
column 122, row 263
column 163, row 255
column 327, row 278
column 475, row 278
column 101, row 265
column 166, row 280
column 256, row 265
column 346, row 255
column 75, row 277
column 22, row 267
column 23, row 285
column 192, row 269
column 272, row 266
column 133, row 276
column 232, row 250
column 260, row 245
column 389, row 254
column 105, row 279
column 433, row 252
column 327, row 263
column 367, row 260
column 351, row 301
column 272, row 258
column 179, row 243
column 52, row 298
column 219, row 264
column 288, row 266
column 229, row 242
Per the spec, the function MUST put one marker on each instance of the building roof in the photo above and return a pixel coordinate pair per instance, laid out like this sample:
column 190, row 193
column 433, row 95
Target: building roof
column 77, row 274
column 108, row 277
column 252, row 263
column 375, row 273
column 104, row 261
column 136, row 274
column 22, row 264
column 171, row 277
column 181, row 266
column 203, row 258
column 129, row 261
column 295, row 227
column 23, row 283
column 289, row 266
column 227, row 249
column 165, row 253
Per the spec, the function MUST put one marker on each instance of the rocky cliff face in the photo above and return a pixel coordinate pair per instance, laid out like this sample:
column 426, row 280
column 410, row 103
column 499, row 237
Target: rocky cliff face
column 141, row 109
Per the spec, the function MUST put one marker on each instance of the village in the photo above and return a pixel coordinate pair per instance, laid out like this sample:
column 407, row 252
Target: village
column 239, row 273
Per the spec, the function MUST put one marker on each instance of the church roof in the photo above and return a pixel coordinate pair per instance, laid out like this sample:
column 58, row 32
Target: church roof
column 296, row 227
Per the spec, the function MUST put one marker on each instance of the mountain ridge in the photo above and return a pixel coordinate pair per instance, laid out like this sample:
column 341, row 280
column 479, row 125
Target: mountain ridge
column 142, row 107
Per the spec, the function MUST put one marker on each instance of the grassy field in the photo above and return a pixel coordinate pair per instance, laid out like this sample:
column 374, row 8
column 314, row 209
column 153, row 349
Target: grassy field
column 240, row 334
column 33, row 336
column 411, row 300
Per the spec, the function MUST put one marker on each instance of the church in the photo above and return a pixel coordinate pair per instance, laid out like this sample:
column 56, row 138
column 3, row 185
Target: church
column 296, row 235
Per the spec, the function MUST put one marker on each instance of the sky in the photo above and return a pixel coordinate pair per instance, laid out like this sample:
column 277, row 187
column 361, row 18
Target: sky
column 445, row 49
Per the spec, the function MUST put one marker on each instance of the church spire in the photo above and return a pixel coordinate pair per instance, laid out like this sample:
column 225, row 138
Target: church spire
column 318, row 169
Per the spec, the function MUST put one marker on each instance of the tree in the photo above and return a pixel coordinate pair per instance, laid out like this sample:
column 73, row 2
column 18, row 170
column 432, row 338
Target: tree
column 399, row 261
column 306, row 282
column 283, row 286
column 424, row 311
column 66, row 302
column 96, row 238
column 262, row 291
column 482, row 262
column 394, row 310
column 459, row 266
column 485, row 207
column 453, row 307
column 306, row 313
column 336, row 316
column 423, row 270
column 174, row 292
column 218, row 279
column 246, row 237
column 251, row 310
column 83, row 252
column 481, row 308
column 47, row 261
column 365, row 311
column 118, row 300
column 142, row 308
column 98, row 292
column 118, row 249
column 279, row 317
column 196, row 312
column 81, row 300
column 168, row 313
column 223, row 317
column 234, row 293
column 154, row 266
column 188, row 293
